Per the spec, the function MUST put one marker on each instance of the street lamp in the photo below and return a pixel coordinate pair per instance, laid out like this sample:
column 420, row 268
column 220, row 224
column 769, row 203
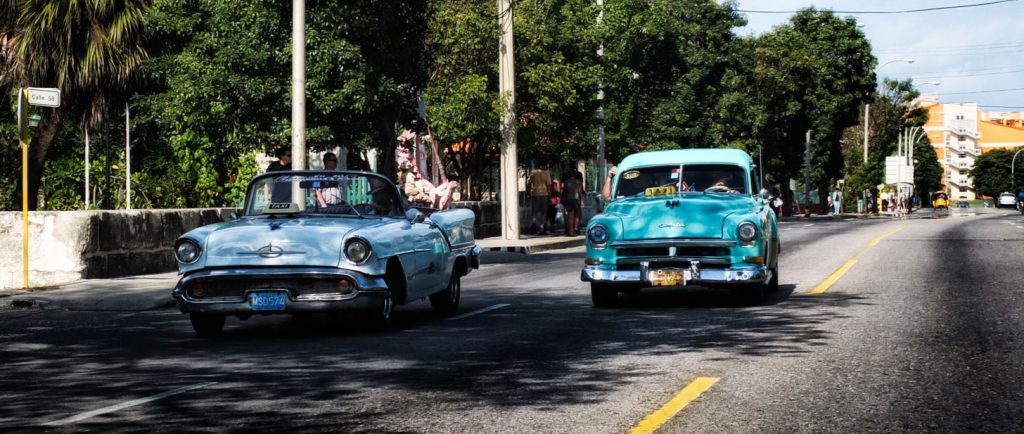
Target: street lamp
column 867, row 107
column 1013, row 183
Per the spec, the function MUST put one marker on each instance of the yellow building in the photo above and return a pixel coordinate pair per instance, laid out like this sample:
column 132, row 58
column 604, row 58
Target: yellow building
column 960, row 133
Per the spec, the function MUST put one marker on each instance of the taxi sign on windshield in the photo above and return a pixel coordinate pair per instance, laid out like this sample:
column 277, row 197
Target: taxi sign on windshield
column 660, row 191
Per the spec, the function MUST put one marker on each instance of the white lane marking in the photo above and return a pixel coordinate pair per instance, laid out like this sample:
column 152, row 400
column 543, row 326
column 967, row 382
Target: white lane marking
column 788, row 229
column 478, row 311
column 123, row 405
column 809, row 225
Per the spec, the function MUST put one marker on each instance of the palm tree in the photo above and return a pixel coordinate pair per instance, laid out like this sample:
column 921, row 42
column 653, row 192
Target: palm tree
column 90, row 49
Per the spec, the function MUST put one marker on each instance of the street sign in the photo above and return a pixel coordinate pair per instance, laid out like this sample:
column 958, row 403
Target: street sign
column 897, row 171
column 44, row 96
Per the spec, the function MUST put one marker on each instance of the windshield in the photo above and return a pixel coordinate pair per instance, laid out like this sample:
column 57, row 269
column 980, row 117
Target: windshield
column 325, row 193
column 709, row 178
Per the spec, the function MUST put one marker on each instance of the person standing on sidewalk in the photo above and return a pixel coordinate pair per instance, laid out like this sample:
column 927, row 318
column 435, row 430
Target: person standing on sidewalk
column 539, row 183
column 837, row 201
column 572, row 196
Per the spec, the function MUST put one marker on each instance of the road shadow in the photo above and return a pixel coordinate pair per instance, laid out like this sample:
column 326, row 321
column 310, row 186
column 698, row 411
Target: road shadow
column 550, row 349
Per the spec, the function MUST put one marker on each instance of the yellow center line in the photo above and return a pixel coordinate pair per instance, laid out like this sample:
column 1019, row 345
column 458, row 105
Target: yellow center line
column 655, row 420
column 832, row 278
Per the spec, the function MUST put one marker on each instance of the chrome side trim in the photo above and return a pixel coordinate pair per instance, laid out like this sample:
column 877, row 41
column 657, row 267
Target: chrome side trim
column 674, row 242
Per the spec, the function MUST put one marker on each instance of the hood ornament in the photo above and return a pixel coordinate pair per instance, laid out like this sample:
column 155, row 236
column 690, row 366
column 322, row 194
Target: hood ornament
column 671, row 225
column 271, row 251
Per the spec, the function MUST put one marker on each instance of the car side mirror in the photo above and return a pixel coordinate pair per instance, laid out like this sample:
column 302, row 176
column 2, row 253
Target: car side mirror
column 233, row 216
column 765, row 194
column 415, row 216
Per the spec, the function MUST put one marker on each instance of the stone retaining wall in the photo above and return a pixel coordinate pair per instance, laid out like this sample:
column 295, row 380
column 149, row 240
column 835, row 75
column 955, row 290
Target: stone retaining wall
column 65, row 246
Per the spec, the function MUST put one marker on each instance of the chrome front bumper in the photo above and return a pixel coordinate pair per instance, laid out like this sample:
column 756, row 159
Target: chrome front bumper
column 711, row 276
column 367, row 293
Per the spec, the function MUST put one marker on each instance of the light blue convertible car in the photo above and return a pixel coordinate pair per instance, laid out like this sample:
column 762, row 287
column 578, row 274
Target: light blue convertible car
column 682, row 217
column 323, row 241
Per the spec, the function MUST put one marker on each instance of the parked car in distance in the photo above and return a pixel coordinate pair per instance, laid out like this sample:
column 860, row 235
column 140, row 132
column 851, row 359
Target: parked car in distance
column 323, row 241
column 684, row 217
column 1006, row 199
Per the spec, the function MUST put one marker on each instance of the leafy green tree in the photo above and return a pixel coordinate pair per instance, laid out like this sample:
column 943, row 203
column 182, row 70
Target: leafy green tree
column 892, row 110
column 927, row 170
column 991, row 173
column 461, row 95
column 812, row 73
column 664, row 65
column 220, row 88
column 89, row 49
column 557, row 76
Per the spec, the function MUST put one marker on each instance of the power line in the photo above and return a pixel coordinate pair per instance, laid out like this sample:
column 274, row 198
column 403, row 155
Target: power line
column 907, row 11
column 982, row 91
column 945, row 49
column 968, row 75
column 1002, row 106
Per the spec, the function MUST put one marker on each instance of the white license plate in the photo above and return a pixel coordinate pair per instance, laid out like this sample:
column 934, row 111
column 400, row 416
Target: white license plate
column 268, row 300
column 668, row 276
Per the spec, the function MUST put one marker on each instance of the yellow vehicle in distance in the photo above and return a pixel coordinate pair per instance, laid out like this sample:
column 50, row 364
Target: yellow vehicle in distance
column 940, row 201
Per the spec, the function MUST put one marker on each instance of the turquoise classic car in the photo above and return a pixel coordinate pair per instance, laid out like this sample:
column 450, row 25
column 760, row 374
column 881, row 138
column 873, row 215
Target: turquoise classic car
column 323, row 241
column 684, row 217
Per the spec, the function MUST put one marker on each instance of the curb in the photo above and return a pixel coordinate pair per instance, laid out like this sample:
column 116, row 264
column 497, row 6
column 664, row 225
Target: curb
column 537, row 248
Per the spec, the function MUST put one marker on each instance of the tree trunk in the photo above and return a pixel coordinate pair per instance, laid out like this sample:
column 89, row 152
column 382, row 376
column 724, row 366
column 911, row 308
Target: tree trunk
column 38, row 149
column 787, row 198
column 386, row 137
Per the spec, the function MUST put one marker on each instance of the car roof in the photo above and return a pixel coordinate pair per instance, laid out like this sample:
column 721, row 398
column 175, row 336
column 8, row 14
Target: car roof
column 686, row 156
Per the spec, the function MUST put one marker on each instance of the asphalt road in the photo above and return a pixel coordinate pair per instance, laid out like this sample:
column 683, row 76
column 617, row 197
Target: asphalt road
column 920, row 330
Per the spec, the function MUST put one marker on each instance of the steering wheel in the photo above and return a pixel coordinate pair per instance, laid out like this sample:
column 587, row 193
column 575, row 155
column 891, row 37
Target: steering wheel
column 717, row 189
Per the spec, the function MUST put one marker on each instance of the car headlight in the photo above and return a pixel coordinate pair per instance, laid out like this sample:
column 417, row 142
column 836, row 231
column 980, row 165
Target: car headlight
column 357, row 250
column 187, row 251
column 598, row 234
column 747, row 233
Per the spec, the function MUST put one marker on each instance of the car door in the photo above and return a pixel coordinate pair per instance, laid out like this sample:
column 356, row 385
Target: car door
column 429, row 252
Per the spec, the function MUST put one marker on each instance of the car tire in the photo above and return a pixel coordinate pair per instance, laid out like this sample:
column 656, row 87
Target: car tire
column 381, row 316
column 207, row 325
column 750, row 295
column 604, row 294
column 773, row 283
column 447, row 302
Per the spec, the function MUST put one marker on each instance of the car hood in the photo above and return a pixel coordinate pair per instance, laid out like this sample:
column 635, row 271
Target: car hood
column 680, row 216
column 282, row 242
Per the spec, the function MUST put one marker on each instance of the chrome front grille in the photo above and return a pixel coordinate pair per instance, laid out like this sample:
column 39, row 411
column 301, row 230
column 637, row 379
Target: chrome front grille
column 235, row 289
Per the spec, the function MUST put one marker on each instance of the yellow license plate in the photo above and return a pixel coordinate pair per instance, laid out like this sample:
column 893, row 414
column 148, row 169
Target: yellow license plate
column 668, row 277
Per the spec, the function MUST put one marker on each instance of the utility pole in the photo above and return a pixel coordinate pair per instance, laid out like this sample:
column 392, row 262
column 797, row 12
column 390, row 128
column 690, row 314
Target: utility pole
column 807, row 175
column 298, row 93
column 127, row 159
column 867, row 118
column 600, row 112
column 507, row 90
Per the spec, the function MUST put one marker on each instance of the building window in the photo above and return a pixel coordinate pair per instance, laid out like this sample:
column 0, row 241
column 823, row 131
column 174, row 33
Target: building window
column 963, row 156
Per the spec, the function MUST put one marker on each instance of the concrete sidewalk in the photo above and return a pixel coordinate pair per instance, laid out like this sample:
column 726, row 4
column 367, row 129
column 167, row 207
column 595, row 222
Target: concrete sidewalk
column 153, row 291
column 123, row 294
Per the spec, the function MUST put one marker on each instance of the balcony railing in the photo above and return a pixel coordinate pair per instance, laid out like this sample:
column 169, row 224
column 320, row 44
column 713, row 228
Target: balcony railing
column 955, row 147
column 961, row 131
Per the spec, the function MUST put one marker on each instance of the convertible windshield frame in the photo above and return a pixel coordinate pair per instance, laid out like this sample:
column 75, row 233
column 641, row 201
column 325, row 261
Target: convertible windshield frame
column 324, row 194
